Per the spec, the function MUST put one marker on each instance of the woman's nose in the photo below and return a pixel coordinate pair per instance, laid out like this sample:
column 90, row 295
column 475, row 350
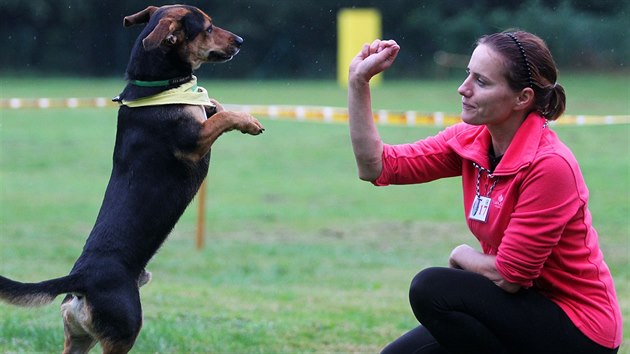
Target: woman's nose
column 464, row 88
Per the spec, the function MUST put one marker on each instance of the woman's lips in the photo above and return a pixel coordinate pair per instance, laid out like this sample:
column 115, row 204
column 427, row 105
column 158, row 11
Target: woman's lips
column 467, row 106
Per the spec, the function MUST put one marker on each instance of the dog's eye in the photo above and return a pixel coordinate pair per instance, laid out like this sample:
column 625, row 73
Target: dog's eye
column 209, row 30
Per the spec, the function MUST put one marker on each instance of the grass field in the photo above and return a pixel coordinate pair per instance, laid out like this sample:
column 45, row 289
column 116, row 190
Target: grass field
column 300, row 256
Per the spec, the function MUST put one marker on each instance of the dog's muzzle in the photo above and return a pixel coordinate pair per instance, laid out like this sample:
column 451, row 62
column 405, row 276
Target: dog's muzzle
column 223, row 56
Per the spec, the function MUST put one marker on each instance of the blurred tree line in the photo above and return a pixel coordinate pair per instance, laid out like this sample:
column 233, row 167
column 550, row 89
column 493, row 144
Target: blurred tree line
column 290, row 39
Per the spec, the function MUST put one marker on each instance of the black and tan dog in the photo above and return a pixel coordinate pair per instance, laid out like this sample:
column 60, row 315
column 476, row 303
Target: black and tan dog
column 160, row 159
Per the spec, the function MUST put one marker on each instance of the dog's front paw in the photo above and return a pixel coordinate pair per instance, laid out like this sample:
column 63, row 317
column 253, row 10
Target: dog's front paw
column 216, row 107
column 247, row 124
column 144, row 277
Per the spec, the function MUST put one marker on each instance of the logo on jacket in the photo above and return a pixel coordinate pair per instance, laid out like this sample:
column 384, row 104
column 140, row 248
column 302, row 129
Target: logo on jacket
column 498, row 202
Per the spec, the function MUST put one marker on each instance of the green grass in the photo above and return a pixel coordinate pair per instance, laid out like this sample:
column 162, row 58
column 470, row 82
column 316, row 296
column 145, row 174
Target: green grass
column 300, row 255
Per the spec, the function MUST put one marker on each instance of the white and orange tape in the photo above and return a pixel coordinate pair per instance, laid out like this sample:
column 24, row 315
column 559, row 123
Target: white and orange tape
column 307, row 113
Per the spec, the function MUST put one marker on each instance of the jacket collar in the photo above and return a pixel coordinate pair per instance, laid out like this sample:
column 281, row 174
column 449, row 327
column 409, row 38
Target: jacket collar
column 474, row 143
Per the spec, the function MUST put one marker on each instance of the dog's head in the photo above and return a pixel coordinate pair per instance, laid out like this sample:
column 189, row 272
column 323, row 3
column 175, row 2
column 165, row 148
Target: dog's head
column 187, row 30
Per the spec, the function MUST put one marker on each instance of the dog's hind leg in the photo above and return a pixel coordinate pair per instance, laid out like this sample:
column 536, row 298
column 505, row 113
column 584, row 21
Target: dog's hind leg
column 117, row 347
column 77, row 320
column 118, row 318
column 77, row 344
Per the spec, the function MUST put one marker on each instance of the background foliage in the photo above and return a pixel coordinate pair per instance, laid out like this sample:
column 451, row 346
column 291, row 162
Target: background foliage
column 285, row 39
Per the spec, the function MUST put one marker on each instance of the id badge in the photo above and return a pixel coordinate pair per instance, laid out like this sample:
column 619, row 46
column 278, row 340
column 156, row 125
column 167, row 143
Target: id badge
column 479, row 209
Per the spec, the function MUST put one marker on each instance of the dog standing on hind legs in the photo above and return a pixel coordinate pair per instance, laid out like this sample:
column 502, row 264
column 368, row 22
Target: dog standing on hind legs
column 166, row 126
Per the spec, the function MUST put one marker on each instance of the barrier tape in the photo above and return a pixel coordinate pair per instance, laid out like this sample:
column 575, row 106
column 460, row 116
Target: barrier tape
column 307, row 113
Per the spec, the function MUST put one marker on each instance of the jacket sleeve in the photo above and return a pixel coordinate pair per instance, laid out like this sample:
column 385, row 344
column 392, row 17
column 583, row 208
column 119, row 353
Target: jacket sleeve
column 549, row 197
column 423, row 161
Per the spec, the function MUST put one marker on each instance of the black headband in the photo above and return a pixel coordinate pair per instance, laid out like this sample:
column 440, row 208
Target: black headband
column 520, row 47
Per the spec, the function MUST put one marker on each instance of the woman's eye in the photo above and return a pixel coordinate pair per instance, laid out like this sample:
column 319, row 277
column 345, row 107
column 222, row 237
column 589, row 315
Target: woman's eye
column 209, row 30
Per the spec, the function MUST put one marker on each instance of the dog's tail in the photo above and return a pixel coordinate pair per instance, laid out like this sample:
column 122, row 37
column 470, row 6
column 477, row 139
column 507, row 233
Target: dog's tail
column 37, row 294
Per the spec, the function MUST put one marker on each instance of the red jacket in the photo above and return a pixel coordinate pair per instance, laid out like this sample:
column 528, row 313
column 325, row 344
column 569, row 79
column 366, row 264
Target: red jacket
column 538, row 223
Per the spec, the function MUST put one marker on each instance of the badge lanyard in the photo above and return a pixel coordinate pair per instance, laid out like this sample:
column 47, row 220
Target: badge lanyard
column 481, row 204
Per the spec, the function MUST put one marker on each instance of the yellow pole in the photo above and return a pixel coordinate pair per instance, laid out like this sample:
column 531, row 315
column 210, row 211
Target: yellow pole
column 355, row 27
column 201, row 215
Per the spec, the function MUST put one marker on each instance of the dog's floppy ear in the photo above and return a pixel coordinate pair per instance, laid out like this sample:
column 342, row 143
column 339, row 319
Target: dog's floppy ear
column 193, row 23
column 140, row 17
column 163, row 31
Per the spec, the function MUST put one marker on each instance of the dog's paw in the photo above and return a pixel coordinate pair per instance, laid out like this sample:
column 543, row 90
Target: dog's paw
column 249, row 125
column 217, row 106
column 210, row 110
column 144, row 277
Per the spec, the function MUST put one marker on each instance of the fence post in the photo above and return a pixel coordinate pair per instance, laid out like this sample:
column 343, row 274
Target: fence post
column 201, row 215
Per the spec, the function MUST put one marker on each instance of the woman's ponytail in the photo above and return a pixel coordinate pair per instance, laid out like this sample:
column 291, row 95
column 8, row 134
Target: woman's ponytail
column 553, row 102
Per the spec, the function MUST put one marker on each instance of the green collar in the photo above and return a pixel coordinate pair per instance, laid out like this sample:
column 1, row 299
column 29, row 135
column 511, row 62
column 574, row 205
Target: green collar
column 176, row 81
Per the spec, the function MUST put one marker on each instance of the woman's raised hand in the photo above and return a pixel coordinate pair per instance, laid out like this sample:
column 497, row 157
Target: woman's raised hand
column 373, row 59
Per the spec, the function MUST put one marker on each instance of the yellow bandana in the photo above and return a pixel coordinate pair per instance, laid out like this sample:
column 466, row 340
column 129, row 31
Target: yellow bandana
column 188, row 93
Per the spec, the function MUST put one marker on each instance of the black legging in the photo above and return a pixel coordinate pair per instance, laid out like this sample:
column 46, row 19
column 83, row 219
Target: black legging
column 464, row 312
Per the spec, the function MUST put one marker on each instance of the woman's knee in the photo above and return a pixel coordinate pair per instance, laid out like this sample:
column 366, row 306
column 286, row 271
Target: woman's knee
column 431, row 289
column 427, row 283
column 418, row 341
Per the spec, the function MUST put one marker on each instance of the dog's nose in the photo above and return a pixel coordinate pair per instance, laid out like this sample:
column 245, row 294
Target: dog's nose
column 238, row 41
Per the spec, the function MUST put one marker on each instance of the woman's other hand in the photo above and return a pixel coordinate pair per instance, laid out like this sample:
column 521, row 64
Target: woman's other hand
column 467, row 258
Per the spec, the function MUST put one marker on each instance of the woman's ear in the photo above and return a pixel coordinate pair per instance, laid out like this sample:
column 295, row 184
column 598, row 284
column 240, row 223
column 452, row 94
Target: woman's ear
column 525, row 99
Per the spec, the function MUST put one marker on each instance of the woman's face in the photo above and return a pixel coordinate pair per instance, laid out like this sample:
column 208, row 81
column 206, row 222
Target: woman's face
column 486, row 96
